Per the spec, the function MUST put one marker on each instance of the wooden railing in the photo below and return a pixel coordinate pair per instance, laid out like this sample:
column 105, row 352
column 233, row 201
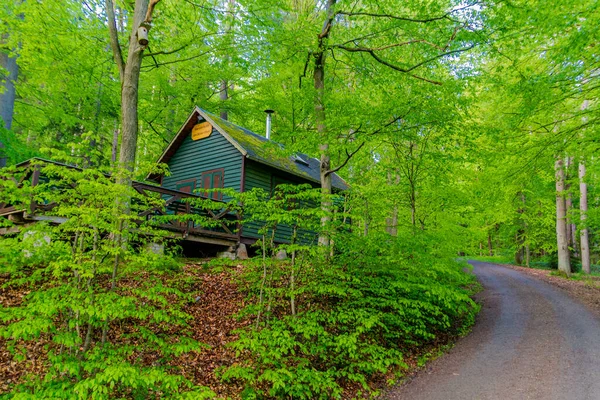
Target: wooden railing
column 177, row 203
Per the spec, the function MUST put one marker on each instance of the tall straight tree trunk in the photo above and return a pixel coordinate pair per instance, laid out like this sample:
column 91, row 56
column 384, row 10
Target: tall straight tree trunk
column 223, row 96
column 320, row 119
column 583, row 208
column 392, row 220
column 115, row 145
column 521, row 235
column 562, row 240
column 224, row 84
column 571, row 228
column 130, row 90
column 490, row 248
column 7, row 95
column 519, row 252
column 129, row 72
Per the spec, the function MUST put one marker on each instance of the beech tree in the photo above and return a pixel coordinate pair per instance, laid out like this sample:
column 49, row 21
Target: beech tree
column 129, row 73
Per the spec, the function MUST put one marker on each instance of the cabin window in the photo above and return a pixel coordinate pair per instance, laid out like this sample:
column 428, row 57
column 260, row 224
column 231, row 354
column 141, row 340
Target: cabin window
column 186, row 186
column 213, row 180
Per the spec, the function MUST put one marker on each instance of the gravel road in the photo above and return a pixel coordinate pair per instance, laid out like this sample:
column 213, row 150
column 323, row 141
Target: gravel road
column 531, row 341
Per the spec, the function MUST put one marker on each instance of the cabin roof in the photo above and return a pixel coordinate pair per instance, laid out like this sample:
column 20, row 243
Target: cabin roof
column 254, row 147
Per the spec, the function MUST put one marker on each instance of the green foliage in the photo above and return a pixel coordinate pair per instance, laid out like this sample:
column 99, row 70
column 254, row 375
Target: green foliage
column 322, row 322
column 106, row 311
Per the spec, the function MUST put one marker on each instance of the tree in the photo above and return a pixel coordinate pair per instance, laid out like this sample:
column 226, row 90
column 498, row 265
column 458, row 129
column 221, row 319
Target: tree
column 9, row 71
column 129, row 73
column 414, row 40
column 583, row 207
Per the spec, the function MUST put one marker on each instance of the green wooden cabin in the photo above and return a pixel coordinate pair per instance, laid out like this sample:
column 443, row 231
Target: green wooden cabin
column 209, row 152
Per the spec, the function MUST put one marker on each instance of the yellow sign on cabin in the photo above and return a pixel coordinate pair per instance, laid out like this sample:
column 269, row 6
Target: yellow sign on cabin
column 201, row 131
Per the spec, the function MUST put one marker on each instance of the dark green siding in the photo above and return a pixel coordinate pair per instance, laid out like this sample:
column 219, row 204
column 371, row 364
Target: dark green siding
column 196, row 156
column 261, row 176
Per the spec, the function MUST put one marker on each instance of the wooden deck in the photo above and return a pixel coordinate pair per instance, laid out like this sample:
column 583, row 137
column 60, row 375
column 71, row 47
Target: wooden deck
column 221, row 232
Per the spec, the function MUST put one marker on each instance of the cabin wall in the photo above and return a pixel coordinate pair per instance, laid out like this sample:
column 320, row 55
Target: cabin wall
column 197, row 156
column 262, row 176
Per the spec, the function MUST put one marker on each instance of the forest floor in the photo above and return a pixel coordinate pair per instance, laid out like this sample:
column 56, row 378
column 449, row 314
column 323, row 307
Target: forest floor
column 536, row 337
column 213, row 322
column 215, row 318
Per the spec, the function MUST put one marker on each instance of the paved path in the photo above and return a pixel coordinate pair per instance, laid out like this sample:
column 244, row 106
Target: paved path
column 531, row 341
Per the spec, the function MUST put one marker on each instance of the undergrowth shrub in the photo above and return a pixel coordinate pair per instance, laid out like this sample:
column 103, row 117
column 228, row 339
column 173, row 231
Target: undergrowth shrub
column 106, row 311
column 358, row 313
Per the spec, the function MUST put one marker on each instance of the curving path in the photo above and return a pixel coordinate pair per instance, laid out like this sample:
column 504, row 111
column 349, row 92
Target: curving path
column 531, row 341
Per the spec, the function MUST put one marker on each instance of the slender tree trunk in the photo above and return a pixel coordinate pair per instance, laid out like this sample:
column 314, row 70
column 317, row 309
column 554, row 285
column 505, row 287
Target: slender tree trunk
column 130, row 90
column 490, row 249
column 223, row 96
column 392, row 220
column 519, row 252
column 366, row 230
column 115, row 145
column 583, row 208
column 571, row 228
column 562, row 241
column 413, row 211
column 293, row 273
column 7, row 95
column 224, row 84
column 319, row 104
column 520, row 237
column 129, row 72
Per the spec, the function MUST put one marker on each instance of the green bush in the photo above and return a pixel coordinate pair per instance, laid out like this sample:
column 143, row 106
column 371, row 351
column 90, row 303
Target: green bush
column 106, row 311
column 359, row 312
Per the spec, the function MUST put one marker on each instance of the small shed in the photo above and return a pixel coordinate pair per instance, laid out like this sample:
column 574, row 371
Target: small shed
column 209, row 152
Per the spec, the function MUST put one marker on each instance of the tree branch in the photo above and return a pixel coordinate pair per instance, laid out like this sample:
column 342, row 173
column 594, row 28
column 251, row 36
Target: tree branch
column 407, row 19
column 371, row 52
column 162, row 52
column 390, row 16
column 389, row 46
column 348, row 157
column 114, row 38
column 148, row 18
column 329, row 21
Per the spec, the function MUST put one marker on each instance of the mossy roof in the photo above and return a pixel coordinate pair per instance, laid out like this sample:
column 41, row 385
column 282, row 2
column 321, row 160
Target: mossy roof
column 255, row 147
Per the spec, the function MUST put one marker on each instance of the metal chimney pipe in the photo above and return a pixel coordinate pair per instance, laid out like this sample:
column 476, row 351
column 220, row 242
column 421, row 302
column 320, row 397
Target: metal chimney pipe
column 269, row 112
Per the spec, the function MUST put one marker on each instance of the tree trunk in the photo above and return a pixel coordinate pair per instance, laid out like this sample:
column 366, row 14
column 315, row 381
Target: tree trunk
column 571, row 228
column 521, row 235
column 7, row 95
column 367, row 218
column 223, row 96
column 224, row 84
column 129, row 71
column 583, row 208
column 519, row 252
column 562, row 240
column 326, row 186
column 319, row 104
column 490, row 249
column 115, row 145
column 130, row 90
column 392, row 220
